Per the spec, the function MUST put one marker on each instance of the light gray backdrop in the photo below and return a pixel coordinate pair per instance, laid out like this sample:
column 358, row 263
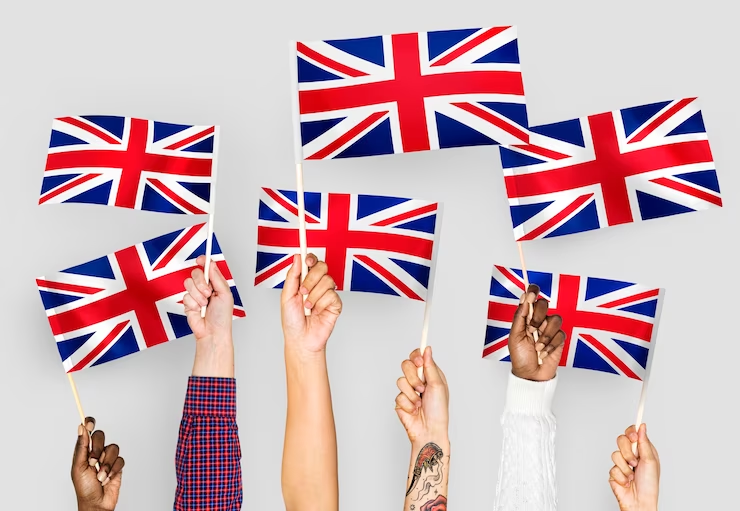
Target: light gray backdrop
column 225, row 63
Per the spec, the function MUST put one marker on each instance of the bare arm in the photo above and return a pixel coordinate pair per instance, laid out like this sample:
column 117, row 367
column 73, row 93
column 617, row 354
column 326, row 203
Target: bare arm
column 309, row 477
column 310, row 454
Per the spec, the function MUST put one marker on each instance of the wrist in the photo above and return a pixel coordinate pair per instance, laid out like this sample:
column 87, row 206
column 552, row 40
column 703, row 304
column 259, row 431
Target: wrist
column 295, row 352
column 214, row 357
column 441, row 440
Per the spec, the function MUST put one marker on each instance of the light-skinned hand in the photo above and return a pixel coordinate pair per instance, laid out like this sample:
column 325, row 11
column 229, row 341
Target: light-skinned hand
column 635, row 479
column 309, row 334
column 96, row 490
column 425, row 416
column 522, row 348
column 216, row 295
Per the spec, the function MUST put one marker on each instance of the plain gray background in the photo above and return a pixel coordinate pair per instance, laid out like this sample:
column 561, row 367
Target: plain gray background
column 225, row 63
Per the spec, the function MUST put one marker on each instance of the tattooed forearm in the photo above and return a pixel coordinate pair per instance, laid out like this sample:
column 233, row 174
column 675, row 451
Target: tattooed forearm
column 427, row 488
column 428, row 457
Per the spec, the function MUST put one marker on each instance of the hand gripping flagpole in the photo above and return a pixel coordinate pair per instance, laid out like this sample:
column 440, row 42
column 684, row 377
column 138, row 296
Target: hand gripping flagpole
column 211, row 213
column 298, row 152
column 430, row 289
column 82, row 414
column 648, row 367
column 535, row 334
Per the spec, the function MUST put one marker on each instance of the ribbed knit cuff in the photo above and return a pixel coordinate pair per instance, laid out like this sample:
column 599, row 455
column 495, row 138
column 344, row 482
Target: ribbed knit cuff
column 530, row 397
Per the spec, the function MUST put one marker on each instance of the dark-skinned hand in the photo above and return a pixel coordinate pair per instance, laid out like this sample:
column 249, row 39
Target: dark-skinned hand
column 524, row 353
column 96, row 490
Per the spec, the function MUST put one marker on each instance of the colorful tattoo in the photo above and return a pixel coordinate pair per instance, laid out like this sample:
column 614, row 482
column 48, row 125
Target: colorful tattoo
column 428, row 457
column 438, row 504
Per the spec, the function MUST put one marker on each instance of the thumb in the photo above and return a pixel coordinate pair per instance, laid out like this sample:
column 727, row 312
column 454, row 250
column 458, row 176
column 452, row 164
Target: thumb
column 218, row 281
column 519, row 325
column 431, row 371
column 292, row 279
column 82, row 449
column 644, row 447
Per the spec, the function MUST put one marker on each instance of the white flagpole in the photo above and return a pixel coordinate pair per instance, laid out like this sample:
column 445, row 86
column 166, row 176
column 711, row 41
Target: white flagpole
column 525, row 275
column 211, row 214
column 430, row 288
column 649, row 365
column 298, row 153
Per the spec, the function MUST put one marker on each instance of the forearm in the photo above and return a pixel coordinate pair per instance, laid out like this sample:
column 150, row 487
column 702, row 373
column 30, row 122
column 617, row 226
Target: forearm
column 526, row 480
column 309, row 477
column 429, row 469
column 208, row 459
column 214, row 358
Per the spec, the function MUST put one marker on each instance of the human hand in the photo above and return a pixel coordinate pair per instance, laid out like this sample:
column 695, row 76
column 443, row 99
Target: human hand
column 425, row 417
column 522, row 348
column 635, row 479
column 309, row 334
column 216, row 295
column 96, row 490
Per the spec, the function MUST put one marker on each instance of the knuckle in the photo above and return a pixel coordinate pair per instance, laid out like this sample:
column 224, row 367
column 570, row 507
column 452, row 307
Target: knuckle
column 400, row 381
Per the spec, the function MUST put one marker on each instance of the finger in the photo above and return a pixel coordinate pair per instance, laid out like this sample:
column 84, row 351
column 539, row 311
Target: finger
column 411, row 372
column 617, row 475
column 326, row 283
column 311, row 260
column 330, row 300
column 519, row 324
column 540, row 313
column 107, row 460
column 416, row 358
column 313, row 277
column 90, row 424
column 190, row 304
column 551, row 356
column 622, row 464
column 199, row 279
column 82, row 449
column 554, row 347
column 292, row 280
column 631, row 433
column 625, row 447
column 644, row 448
column 115, row 471
column 192, row 290
column 405, row 404
column 218, row 281
column 431, row 372
column 405, row 387
column 552, row 326
column 98, row 442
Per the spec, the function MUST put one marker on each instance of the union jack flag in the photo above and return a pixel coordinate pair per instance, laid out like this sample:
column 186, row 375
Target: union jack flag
column 127, row 301
column 610, row 325
column 130, row 163
column 608, row 169
column 370, row 243
column 410, row 92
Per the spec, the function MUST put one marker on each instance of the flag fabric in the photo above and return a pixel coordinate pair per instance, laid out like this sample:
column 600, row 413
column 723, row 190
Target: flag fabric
column 129, row 163
column 610, row 325
column 608, row 169
column 127, row 301
column 410, row 92
column 370, row 243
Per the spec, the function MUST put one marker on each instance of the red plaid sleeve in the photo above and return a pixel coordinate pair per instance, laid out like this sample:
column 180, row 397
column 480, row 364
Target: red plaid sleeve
column 208, row 460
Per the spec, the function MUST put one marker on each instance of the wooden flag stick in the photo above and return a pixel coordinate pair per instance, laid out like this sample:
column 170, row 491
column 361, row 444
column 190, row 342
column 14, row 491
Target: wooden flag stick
column 298, row 154
column 430, row 289
column 211, row 214
column 79, row 409
column 535, row 334
column 302, row 226
column 648, row 367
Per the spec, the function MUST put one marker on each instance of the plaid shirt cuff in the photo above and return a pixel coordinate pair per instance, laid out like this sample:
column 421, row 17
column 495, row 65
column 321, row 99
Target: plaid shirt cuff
column 208, row 396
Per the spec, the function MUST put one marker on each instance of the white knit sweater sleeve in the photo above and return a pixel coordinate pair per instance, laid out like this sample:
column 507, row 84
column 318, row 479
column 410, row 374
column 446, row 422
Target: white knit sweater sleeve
column 526, row 477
